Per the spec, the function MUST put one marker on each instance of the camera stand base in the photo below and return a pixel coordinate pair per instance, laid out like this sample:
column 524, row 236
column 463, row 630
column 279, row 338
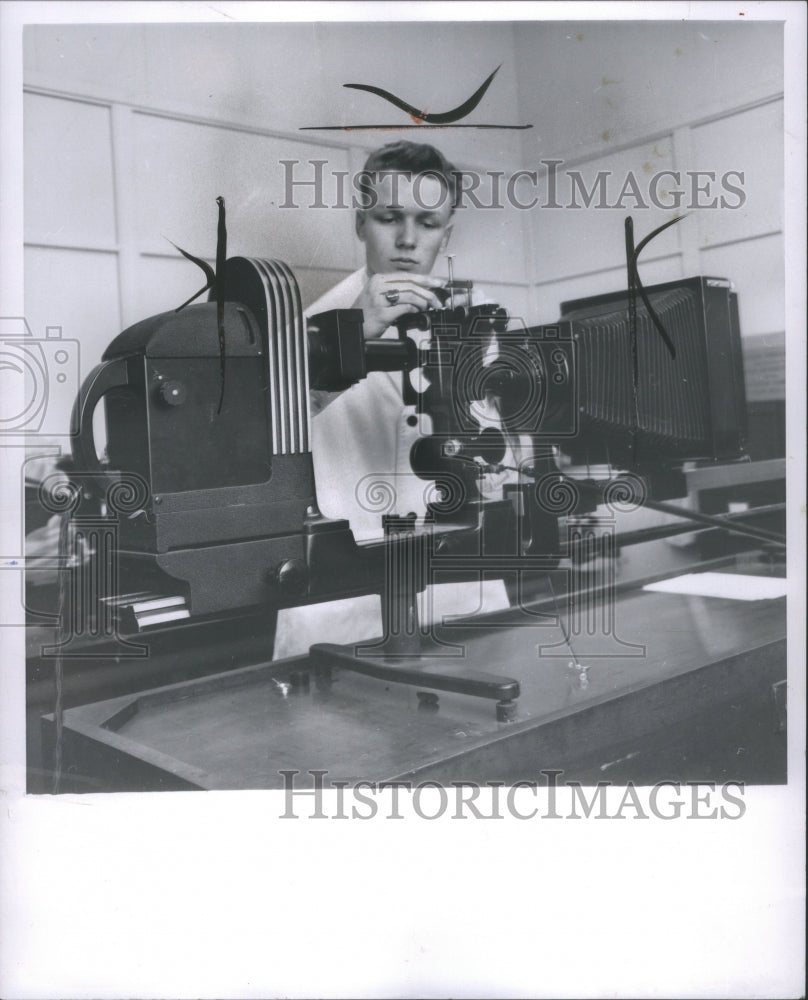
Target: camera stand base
column 422, row 672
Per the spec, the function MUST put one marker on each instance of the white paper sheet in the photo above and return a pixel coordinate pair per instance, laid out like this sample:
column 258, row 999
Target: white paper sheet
column 735, row 586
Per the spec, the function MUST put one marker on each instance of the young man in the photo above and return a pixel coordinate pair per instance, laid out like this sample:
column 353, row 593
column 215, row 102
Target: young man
column 366, row 431
column 361, row 438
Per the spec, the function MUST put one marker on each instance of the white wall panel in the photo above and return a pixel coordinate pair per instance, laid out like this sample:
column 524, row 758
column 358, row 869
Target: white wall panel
column 750, row 142
column 164, row 283
column 314, row 282
column 550, row 296
column 595, row 85
column 181, row 168
column 101, row 60
column 576, row 240
column 434, row 66
column 69, row 194
column 489, row 243
column 77, row 291
column 757, row 269
column 283, row 76
column 577, row 246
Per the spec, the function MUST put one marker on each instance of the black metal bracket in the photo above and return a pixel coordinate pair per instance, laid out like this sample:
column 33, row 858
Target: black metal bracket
column 422, row 672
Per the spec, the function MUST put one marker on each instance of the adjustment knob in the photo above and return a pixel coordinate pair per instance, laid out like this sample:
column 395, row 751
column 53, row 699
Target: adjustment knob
column 292, row 576
column 173, row 392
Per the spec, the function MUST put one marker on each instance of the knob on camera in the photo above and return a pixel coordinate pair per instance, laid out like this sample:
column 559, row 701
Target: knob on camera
column 173, row 392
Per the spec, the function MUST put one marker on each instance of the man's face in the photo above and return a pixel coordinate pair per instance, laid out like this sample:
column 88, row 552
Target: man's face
column 408, row 224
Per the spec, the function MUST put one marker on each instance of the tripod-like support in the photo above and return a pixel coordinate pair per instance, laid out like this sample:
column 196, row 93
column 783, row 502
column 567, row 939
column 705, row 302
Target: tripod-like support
column 408, row 654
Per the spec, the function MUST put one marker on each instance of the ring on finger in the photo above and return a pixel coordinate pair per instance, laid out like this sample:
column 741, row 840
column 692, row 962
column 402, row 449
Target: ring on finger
column 392, row 296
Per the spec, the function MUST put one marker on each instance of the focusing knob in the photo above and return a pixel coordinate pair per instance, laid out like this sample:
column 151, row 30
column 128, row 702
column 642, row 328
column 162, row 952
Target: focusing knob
column 292, row 576
column 173, row 392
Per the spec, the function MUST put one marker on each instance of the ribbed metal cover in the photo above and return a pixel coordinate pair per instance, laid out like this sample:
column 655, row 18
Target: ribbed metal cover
column 682, row 407
column 269, row 288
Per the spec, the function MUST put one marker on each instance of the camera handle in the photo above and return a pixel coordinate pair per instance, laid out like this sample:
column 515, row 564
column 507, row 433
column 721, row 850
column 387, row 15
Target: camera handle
column 108, row 375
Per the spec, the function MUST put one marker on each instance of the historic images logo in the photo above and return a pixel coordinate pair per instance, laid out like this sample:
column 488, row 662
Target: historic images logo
column 420, row 118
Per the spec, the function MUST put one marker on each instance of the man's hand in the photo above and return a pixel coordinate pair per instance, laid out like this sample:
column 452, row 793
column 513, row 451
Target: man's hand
column 386, row 297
